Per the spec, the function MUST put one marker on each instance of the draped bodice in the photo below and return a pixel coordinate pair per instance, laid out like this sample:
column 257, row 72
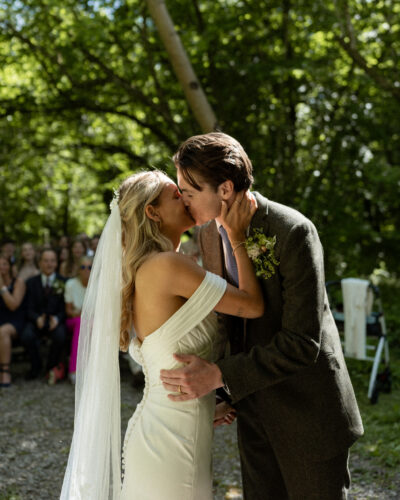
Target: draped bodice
column 192, row 329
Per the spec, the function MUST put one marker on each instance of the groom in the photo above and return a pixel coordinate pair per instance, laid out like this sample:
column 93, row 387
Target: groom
column 296, row 410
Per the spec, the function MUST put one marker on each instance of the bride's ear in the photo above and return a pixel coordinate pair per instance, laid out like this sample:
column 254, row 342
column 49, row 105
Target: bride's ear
column 152, row 213
column 226, row 189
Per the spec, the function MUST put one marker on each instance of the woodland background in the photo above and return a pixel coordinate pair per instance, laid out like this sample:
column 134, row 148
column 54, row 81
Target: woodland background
column 310, row 88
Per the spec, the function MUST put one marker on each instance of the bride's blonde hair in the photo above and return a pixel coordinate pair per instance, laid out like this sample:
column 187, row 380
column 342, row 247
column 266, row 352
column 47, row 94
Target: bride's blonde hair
column 140, row 236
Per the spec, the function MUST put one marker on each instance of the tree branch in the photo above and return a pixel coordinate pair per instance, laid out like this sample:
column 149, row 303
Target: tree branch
column 371, row 71
column 351, row 48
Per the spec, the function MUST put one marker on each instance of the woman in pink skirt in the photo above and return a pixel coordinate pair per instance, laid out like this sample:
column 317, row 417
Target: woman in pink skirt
column 75, row 289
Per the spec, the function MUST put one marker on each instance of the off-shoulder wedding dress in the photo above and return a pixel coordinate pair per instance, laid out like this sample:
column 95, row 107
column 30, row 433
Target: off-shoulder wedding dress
column 167, row 449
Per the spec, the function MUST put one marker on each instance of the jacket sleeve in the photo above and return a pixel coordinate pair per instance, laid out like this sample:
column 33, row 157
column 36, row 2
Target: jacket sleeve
column 297, row 344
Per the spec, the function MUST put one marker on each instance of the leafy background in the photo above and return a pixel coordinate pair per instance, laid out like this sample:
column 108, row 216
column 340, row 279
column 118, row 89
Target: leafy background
column 310, row 88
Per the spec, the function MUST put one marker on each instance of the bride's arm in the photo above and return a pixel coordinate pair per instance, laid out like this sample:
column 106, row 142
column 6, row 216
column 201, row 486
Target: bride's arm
column 247, row 300
column 180, row 276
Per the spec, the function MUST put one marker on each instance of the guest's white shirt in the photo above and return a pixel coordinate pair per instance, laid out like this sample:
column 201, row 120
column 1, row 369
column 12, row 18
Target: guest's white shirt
column 48, row 279
column 74, row 293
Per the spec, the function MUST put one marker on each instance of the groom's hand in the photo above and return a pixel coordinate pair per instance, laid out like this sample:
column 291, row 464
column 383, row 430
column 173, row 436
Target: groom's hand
column 196, row 379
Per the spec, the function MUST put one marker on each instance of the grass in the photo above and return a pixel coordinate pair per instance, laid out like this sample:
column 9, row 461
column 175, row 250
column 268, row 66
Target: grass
column 378, row 451
column 10, row 495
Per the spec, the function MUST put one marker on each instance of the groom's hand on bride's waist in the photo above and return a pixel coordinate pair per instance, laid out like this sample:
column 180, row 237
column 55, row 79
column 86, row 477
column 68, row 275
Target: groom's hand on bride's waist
column 196, row 379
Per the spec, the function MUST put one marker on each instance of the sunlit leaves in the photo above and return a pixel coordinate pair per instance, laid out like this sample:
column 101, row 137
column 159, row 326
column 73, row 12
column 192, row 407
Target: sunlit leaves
column 88, row 94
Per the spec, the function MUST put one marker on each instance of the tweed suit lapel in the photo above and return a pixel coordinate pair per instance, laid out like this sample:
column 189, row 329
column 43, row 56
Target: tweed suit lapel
column 260, row 218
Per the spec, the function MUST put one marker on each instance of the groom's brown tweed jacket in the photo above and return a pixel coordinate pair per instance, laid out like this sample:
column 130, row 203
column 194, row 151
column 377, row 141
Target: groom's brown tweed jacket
column 288, row 366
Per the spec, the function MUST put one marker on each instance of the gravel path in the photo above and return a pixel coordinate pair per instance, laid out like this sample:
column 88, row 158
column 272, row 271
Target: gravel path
column 35, row 434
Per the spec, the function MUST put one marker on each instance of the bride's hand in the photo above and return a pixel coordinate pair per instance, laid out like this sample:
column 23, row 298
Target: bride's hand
column 225, row 414
column 237, row 219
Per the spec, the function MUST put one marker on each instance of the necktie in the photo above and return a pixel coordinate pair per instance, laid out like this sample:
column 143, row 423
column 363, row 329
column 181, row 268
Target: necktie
column 47, row 287
column 230, row 263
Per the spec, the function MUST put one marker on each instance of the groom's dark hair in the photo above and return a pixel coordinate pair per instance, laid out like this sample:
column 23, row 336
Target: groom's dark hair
column 214, row 158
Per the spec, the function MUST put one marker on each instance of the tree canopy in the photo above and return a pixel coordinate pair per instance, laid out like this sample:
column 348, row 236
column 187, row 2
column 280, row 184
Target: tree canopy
column 310, row 88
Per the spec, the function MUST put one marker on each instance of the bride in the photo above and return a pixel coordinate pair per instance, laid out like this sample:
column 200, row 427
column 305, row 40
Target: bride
column 140, row 284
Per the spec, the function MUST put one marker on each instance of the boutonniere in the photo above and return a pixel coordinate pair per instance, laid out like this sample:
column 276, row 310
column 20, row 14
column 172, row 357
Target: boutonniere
column 260, row 249
column 58, row 287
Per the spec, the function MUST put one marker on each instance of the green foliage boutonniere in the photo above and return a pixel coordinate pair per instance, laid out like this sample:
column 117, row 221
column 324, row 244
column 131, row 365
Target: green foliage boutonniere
column 260, row 249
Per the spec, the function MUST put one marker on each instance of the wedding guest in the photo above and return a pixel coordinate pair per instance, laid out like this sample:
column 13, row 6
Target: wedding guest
column 46, row 318
column 8, row 250
column 77, row 250
column 62, row 256
column 27, row 267
column 63, row 241
column 75, row 289
column 12, row 314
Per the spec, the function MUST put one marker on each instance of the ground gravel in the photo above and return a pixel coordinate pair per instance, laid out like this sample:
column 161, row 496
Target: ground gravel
column 35, row 435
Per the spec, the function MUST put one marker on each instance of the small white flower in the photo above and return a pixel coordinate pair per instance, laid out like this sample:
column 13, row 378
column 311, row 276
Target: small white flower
column 115, row 200
column 253, row 251
column 260, row 249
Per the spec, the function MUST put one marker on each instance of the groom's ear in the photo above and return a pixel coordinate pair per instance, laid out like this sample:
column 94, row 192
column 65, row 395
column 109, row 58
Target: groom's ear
column 226, row 189
column 152, row 213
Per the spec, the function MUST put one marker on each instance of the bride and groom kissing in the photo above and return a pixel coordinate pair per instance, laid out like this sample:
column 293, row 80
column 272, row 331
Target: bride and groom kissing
column 283, row 370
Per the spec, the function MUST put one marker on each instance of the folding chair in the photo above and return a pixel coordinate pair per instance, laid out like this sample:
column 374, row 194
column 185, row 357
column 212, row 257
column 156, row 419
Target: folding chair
column 357, row 310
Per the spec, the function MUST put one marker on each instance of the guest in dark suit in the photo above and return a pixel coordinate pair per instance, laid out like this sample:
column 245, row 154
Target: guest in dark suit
column 285, row 373
column 45, row 317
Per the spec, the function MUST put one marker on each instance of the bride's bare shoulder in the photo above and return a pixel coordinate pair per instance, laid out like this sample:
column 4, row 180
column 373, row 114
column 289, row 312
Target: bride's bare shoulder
column 164, row 265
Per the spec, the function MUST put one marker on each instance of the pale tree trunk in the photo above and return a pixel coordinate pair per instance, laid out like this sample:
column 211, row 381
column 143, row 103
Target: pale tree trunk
column 180, row 62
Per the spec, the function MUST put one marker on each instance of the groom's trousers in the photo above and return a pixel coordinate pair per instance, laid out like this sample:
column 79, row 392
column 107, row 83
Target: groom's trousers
column 268, row 475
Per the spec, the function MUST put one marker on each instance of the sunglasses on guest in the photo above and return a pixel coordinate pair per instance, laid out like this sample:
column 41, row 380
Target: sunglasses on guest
column 86, row 267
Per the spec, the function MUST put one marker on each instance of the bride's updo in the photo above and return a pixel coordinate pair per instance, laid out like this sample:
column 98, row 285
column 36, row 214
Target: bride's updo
column 140, row 236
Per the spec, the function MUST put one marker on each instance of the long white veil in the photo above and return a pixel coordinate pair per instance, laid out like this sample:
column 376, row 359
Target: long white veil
column 94, row 470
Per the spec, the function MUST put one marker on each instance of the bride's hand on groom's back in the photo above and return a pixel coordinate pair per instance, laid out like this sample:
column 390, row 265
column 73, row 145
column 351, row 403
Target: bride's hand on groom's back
column 225, row 414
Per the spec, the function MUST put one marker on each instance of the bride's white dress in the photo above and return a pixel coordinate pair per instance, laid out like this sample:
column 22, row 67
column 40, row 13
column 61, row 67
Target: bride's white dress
column 167, row 449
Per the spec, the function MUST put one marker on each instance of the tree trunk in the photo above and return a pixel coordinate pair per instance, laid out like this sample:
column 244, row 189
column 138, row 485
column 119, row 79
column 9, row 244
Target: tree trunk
column 180, row 62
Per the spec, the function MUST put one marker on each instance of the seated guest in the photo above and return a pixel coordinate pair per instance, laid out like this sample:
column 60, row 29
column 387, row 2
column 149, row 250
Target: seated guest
column 75, row 289
column 8, row 250
column 45, row 317
column 62, row 256
column 27, row 267
column 12, row 314
column 70, row 268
